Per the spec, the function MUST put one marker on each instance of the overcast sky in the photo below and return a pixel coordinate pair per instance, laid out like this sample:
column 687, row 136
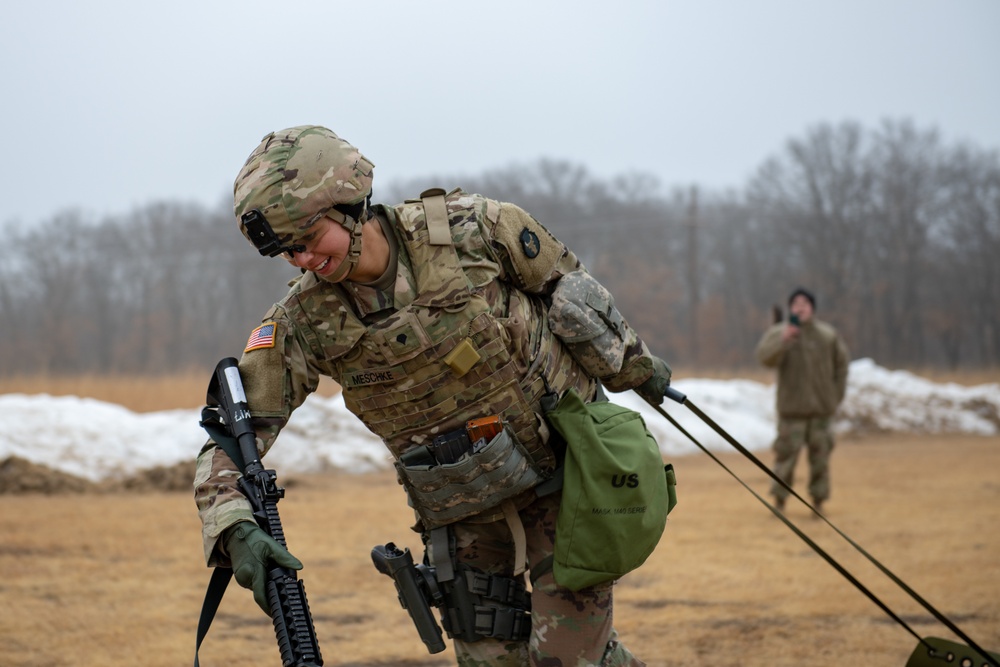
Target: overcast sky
column 112, row 105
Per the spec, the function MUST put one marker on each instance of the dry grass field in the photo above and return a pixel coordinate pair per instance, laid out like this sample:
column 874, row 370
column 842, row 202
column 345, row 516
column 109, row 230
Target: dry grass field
column 137, row 393
column 116, row 579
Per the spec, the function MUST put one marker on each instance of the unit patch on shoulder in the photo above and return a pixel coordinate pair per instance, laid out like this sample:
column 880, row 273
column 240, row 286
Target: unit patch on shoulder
column 529, row 243
column 261, row 337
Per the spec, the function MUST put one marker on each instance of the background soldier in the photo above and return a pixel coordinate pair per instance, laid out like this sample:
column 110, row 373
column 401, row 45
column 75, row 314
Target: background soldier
column 430, row 313
column 812, row 360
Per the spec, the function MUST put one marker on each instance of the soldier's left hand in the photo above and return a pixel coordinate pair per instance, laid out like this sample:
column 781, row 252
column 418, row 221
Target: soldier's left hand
column 253, row 553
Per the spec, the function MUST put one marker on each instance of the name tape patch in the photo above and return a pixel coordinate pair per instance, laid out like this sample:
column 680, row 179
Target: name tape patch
column 372, row 376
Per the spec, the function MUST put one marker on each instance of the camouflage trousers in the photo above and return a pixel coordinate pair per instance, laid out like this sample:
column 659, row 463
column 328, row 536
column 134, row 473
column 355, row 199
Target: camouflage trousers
column 813, row 433
column 568, row 629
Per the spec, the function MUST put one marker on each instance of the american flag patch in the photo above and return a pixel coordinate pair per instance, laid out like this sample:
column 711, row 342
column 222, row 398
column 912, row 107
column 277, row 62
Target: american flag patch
column 262, row 336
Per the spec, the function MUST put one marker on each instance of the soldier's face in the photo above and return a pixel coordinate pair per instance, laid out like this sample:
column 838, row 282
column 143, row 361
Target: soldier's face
column 325, row 250
column 802, row 307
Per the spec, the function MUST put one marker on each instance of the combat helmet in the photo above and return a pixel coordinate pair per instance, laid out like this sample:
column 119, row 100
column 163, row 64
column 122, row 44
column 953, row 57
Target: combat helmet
column 292, row 180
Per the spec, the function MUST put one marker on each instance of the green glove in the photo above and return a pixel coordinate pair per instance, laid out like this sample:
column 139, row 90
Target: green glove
column 253, row 552
column 653, row 389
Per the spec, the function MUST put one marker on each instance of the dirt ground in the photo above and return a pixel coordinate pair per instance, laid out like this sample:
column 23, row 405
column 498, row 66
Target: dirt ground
column 117, row 578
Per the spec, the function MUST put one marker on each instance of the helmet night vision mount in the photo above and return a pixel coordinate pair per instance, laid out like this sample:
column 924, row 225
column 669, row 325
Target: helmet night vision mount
column 262, row 236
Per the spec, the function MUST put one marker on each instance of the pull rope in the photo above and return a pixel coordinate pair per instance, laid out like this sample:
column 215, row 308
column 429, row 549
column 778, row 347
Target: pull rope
column 681, row 398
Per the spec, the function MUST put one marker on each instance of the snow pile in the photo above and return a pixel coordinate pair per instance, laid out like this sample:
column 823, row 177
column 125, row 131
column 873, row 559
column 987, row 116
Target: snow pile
column 897, row 401
column 96, row 440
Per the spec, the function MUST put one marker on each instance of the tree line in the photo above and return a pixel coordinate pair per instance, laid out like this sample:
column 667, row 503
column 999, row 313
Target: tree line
column 896, row 231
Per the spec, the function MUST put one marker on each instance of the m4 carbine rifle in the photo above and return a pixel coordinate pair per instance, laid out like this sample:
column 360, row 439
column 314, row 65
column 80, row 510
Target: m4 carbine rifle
column 286, row 594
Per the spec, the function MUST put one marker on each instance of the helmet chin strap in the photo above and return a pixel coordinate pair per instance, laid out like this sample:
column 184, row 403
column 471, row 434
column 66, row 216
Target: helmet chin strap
column 353, row 252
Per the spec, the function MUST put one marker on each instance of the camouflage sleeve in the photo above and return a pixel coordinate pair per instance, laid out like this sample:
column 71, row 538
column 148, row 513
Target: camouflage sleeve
column 771, row 349
column 535, row 261
column 278, row 374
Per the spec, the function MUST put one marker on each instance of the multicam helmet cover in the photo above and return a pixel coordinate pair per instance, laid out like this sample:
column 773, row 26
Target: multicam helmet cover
column 297, row 176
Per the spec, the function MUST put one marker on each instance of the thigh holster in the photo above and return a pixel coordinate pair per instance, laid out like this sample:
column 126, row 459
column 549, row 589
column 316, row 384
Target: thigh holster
column 473, row 603
column 476, row 605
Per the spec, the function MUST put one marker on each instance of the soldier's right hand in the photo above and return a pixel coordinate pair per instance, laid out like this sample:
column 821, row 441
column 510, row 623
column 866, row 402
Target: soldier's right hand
column 789, row 333
column 252, row 552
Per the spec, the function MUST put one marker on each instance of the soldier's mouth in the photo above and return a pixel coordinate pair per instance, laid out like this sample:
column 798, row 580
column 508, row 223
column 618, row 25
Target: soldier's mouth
column 322, row 267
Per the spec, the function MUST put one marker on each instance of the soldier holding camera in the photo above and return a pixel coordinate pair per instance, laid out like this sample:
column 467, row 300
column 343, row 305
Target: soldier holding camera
column 811, row 359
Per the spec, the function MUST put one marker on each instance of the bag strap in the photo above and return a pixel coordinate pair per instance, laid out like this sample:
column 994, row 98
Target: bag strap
column 681, row 398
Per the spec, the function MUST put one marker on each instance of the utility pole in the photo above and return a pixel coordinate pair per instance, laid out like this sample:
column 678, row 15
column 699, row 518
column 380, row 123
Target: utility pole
column 692, row 272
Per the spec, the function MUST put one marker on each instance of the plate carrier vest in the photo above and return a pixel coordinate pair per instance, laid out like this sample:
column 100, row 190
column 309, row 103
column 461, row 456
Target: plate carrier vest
column 396, row 376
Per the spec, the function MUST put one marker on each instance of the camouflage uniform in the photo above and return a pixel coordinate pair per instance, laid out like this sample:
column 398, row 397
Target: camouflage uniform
column 812, row 379
column 459, row 330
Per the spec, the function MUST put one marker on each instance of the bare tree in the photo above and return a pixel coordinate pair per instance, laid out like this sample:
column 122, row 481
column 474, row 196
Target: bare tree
column 897, row 233
column 967, row 275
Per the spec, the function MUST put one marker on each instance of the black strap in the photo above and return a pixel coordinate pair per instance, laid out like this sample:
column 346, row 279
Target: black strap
column 439, row 544
column 498, row 588
column 221, row 575
column 502, row 623
column 213, row 596
column 542, row 568
column 220, row 435
column 681, row 398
